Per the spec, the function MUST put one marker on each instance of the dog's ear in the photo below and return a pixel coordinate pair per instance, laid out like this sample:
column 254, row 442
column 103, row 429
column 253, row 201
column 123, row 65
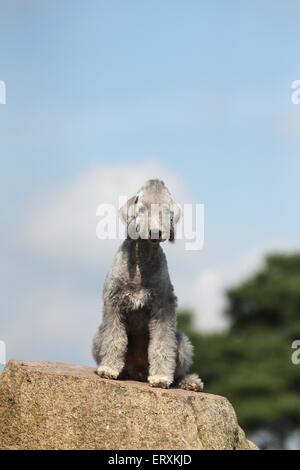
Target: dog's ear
column 127, row 211
column 176, row 211
column 175, row 217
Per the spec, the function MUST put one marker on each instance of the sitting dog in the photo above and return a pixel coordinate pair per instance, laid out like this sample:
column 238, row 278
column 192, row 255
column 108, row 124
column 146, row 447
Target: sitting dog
column 138, row 338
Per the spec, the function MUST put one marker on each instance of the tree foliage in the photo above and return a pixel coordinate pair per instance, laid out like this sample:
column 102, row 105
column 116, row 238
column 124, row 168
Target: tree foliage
column 250, row 363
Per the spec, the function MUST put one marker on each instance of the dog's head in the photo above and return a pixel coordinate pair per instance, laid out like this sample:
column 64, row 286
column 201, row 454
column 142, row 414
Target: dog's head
column 151, row 214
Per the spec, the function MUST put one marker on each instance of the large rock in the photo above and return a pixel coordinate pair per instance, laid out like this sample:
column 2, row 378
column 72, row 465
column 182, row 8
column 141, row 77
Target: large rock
column 46, row 405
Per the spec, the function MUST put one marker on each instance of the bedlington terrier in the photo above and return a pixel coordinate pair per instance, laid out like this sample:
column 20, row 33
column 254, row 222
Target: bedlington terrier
column 138, row 338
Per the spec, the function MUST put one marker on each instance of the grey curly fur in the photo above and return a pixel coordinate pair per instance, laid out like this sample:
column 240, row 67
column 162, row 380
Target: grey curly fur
column 138, row 338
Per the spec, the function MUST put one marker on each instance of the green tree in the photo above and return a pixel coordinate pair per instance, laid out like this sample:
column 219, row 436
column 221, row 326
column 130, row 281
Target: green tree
column 250, row 363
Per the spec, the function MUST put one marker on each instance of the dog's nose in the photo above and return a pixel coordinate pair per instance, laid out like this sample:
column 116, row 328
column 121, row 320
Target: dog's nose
column 155, row 234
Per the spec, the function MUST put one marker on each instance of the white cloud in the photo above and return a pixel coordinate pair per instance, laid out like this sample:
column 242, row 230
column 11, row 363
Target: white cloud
column 211, row 284
column 56, row 314
column 63, row 228
column 57, row 322
column 209, row 300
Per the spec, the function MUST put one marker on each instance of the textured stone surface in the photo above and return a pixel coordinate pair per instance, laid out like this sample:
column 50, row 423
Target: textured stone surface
column 47, row 405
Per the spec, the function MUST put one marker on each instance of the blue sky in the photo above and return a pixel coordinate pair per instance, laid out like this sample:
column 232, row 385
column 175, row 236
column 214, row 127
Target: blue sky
column 203, row 88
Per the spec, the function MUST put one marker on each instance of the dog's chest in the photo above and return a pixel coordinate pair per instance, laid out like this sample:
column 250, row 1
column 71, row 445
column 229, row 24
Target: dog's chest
column 137, row 279
column 138, row 292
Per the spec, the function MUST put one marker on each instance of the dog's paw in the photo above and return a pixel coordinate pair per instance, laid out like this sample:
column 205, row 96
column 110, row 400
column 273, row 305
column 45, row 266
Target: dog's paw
column 191, row 382
column 159, row 381
column 107, row 372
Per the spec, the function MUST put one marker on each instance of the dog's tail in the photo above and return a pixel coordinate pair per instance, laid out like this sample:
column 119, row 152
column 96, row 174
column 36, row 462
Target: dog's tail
column 191, row 382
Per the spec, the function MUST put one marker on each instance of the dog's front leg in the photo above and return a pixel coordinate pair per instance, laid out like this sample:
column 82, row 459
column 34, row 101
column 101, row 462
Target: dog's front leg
column 162, row 348
column 110, row 344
